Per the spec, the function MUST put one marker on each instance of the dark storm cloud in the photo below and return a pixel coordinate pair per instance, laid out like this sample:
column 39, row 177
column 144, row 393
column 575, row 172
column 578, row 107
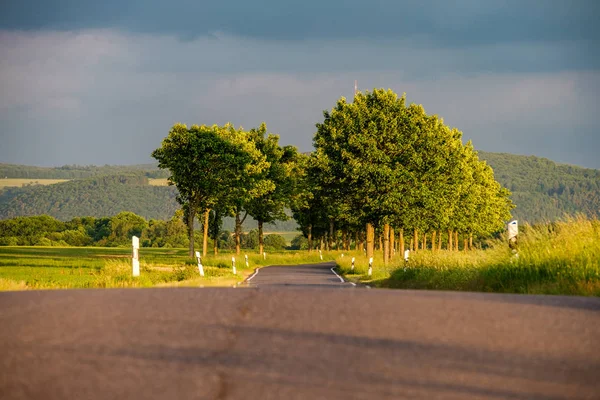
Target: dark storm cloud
column 76, row 77
column 455, row 23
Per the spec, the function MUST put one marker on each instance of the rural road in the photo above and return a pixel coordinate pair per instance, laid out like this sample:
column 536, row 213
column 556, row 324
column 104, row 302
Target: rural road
column 272, row 341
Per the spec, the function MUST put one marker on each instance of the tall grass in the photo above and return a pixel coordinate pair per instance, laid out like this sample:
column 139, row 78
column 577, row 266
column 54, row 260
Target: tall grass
column 555, row 258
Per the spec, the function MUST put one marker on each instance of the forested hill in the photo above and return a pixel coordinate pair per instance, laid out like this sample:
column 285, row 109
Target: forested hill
column 105, row 196
column 99, row 196
column 544, row 190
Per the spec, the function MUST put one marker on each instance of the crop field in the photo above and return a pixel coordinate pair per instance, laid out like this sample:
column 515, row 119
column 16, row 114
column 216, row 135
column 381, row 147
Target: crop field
column 10, row 182
column 557, row 258
column 24, row 268
column 158, row 181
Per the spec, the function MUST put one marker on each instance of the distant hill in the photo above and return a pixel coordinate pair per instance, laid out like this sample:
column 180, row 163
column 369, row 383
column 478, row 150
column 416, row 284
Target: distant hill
column 542, row 190
column 97, row 196
column 103, row 196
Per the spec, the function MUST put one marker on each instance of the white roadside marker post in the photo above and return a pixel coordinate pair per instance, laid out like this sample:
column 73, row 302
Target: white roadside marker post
column 321, row 255
column 233, row 265
column 406, row 253
column 342, row 255
column 352, row 269
column 370, row 266
column 264, row 255
column 200, row 267
column 135, row 259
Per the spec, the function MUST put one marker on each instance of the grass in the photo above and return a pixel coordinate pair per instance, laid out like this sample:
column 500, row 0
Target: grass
column 14, row 182
column 23, row 268
column 560, row 258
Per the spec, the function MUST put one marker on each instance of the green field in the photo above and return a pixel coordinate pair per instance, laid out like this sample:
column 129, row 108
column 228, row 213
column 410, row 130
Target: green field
column 93, row 267
column 15, row 182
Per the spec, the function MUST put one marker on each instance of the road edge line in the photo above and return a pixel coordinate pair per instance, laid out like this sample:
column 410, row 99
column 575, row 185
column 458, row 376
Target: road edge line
column 248, row 279
column 341, row 279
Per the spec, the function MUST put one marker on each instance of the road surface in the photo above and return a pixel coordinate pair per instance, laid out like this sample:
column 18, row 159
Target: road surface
column 308, row 275
column 307, row 342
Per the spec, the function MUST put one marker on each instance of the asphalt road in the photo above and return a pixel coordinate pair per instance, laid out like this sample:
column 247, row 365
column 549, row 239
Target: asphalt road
column 308, row 275
column 275, row 342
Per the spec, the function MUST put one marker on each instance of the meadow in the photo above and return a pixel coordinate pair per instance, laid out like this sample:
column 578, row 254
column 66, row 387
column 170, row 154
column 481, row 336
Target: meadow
column 556, row 258
column 23, row 268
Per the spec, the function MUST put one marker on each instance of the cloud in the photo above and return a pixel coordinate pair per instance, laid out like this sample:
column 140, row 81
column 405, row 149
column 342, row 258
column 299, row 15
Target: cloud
column 106, row 96
column 458, row 23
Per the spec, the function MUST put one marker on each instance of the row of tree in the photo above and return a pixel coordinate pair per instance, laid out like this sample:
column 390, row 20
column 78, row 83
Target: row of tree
column 382, row 164
column 43, row 230
column 221, row 170
column 378, row 164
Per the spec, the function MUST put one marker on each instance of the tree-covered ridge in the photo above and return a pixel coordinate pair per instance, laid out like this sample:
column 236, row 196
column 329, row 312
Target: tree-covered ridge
column 544, row 190
column 106, row 196
column 77, row 171
column 98, row 196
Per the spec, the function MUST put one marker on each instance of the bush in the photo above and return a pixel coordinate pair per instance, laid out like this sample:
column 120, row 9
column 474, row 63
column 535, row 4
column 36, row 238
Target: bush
column 275, row 242
column 299, row 243
column 43, row 242
column 9, row 241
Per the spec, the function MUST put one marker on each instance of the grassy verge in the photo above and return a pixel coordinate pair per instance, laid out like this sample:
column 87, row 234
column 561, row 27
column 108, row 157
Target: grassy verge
column 559, row 258
column 23, row 268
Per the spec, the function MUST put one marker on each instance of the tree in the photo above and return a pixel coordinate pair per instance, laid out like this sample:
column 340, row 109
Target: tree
column 125, row 225
column 205, row 164
column 278, row 180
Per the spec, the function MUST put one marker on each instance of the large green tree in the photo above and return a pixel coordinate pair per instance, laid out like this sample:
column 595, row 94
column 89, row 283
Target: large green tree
column 279, row 180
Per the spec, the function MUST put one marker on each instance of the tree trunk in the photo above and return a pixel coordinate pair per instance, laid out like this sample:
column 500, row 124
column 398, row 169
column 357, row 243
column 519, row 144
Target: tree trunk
column 261, row 242
column 416, row 240
column 238, row 233
column 456, row 240
column 321, row 243
column 411, row 244
column 205, row 236
column 386, row 244
column 465, row 244
column 216, row 237
column 370, row 240
column 309, row 238
column 392, row 243
column 356, row 240
column 326, row 240
column 440, row 241
column 450, row 234
column 424, row 241
column 471, row 241
column 331, row 236
column 190, row 228
column 433, row 242
column 402, row 243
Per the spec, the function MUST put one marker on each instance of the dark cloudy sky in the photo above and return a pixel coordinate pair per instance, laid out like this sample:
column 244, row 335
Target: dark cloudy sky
column 101, row 82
